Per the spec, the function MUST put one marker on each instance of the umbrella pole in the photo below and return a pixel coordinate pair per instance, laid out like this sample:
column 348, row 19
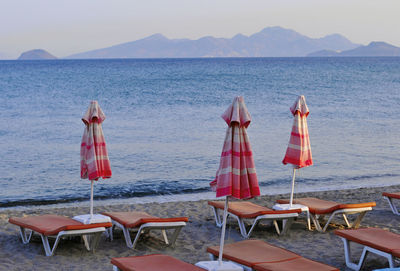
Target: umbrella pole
column 221, row 244
column 91, row 199
column 291, row 194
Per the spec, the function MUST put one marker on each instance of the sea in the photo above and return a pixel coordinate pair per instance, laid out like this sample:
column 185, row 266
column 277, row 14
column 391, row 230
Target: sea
column 164, row 130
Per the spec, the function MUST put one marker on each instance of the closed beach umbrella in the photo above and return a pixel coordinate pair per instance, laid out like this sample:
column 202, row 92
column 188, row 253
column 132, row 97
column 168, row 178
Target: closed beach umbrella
column 298, row 152
column 236, row 176
column 94, row 158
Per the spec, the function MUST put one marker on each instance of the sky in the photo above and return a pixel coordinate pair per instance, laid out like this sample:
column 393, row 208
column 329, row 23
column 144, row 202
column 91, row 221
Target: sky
column 65, row 27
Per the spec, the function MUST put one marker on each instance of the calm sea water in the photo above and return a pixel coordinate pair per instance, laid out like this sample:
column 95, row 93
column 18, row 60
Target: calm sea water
column 165, row 134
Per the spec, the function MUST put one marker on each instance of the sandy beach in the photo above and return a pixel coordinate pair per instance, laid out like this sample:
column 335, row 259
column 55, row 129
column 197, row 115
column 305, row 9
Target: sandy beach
column 193, row 240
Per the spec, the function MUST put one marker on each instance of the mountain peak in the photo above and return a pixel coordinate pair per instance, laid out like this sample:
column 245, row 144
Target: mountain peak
column 156, row 37
column 380, row 44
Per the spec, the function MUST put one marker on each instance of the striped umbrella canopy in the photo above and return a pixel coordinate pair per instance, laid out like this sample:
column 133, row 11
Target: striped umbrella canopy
column 236, row 175
column 298, row 152
column 94, row 156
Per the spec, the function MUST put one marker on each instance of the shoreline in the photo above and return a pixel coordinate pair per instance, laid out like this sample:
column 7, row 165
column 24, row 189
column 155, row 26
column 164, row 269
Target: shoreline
column 265, row 191
column 199, row 233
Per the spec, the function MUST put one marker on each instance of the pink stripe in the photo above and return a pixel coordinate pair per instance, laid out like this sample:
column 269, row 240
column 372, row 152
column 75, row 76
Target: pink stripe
column 238, row 154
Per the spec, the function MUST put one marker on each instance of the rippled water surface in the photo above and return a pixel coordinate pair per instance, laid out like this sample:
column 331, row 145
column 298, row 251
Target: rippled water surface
column 165, row 134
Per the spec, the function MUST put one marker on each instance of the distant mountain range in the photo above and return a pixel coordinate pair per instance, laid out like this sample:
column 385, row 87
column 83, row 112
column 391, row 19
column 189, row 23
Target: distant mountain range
column 270, row 42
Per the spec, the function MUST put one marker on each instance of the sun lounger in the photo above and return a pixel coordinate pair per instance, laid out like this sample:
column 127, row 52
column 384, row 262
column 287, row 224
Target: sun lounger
column 58, row 227
column 319, row 208
column 245, row 210
column 374, row 240
column 262, row 256
column 390, row 197
column 142, row 221
column 154, row 262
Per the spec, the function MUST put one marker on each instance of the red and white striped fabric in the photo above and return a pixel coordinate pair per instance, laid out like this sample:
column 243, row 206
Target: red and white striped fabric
column 94, row 157
column 298, row 152
column 236, row 175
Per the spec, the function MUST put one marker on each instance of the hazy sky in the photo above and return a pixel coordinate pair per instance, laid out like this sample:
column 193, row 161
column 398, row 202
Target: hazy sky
column 64, row 27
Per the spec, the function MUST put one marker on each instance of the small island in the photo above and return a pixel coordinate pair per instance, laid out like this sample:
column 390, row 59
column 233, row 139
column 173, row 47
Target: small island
column 36, row 54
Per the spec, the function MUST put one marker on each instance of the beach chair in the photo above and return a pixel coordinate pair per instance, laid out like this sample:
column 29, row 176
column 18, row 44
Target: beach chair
column 374, row 240
column 390, row 197
column 58, row 227
column 141, row 222
column 152, row 262
column 262, row 256
column 245, row 210
column 319, row 208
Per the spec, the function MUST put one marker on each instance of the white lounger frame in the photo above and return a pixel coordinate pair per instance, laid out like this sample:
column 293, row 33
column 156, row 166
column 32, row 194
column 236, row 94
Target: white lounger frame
column 344, row 212
column 366, row 249
column 89, row 244
column 392, row 206
column 147, row 227
column 286, row 218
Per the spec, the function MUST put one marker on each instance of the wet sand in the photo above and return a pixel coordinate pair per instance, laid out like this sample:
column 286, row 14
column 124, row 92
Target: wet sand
column 193, row 240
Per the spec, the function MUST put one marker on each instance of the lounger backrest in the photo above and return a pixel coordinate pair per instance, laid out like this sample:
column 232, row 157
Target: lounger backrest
column 52, row 224
column 357, row 205
column 395, row 195
column 320, row 207
column 250, row 252
column 135, row 219
column 246, row 209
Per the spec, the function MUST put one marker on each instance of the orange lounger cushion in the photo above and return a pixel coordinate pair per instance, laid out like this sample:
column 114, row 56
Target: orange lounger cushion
column 250, row 252
column 319, row 206
column 246, row 209
column 373, row 237
column 314, row 205
column 395, row 195
column 152, row 263
column 52, row 224
column 296, row 264
column 135, row 219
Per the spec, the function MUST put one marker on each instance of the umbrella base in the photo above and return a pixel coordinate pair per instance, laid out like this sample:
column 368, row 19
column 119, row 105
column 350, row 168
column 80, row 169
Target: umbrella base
column 96, row 218
column 215, row 266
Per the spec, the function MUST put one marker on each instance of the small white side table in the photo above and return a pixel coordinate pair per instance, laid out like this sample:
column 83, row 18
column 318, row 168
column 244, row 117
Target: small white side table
column 96, row 218
column 215, row 266
column 303, row 208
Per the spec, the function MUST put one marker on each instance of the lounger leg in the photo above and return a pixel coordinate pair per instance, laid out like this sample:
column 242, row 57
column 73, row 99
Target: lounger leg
column 330, row 219
column 218, row 221
column 278, row 231
column 109, row 233
column 86, row 241
column 24, row 237
column 392, row 206
column 314, row 219
column 47, row 249
column 242, row 227
column 347, row 255
column 128, row 239
column 357, row 222
column 286, row 223
column 95, row 241
column 175, row 235
column 164, row 234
